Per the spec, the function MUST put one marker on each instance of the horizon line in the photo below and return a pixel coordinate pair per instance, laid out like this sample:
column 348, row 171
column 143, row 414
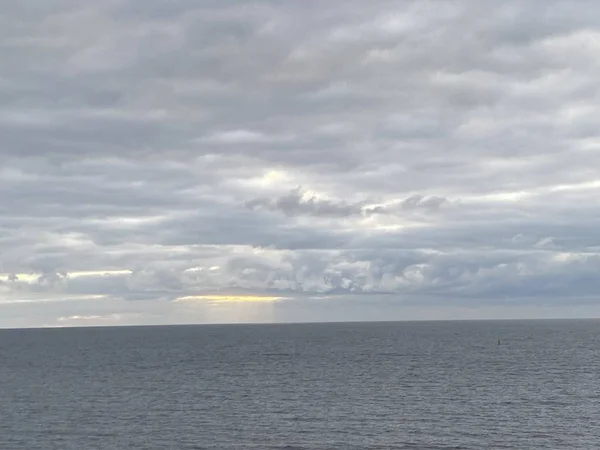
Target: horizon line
column 328, row 322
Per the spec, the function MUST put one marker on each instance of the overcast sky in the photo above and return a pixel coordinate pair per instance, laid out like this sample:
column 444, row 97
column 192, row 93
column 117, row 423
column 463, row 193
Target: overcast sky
column 230, row 161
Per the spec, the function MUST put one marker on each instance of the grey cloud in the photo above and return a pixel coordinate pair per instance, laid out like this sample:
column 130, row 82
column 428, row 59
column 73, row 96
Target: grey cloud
column 476, row 275
column 299, row 202
column 418, row 201
column 296, row 202
column 450, row 147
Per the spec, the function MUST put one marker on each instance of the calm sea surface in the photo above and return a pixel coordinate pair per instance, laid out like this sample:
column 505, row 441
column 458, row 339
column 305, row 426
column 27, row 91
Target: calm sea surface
column 435, row 385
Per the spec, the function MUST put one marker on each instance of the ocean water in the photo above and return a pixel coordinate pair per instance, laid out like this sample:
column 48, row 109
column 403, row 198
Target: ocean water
column 420, row 385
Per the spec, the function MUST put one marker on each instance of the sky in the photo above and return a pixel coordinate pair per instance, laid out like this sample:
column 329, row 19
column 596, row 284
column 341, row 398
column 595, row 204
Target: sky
column 222, row 161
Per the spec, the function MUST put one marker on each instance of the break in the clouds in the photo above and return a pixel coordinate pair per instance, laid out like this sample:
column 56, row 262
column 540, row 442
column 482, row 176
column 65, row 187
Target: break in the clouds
column 219, row 161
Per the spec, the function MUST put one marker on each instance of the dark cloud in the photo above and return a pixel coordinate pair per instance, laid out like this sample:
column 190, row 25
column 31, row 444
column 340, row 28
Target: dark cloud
column 297, row 202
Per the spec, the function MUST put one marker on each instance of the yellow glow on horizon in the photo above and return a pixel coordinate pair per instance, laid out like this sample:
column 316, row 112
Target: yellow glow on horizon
column 229, row 298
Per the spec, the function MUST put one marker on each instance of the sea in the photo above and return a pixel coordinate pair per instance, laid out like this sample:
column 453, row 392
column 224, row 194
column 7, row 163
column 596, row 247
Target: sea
column 411, row 385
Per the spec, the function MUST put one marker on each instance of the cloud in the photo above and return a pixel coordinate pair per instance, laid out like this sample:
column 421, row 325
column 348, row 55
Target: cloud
column 297, row 202
column 447, row 155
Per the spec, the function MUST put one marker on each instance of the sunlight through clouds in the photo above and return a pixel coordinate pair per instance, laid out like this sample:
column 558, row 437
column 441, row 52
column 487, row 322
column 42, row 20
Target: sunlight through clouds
column 229, row 299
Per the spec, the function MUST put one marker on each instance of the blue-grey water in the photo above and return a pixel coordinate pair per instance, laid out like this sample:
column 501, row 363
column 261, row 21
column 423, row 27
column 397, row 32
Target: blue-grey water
column 434, row 385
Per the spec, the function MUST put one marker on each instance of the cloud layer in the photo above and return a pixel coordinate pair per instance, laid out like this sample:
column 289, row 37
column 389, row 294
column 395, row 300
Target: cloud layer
column 397, row 160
